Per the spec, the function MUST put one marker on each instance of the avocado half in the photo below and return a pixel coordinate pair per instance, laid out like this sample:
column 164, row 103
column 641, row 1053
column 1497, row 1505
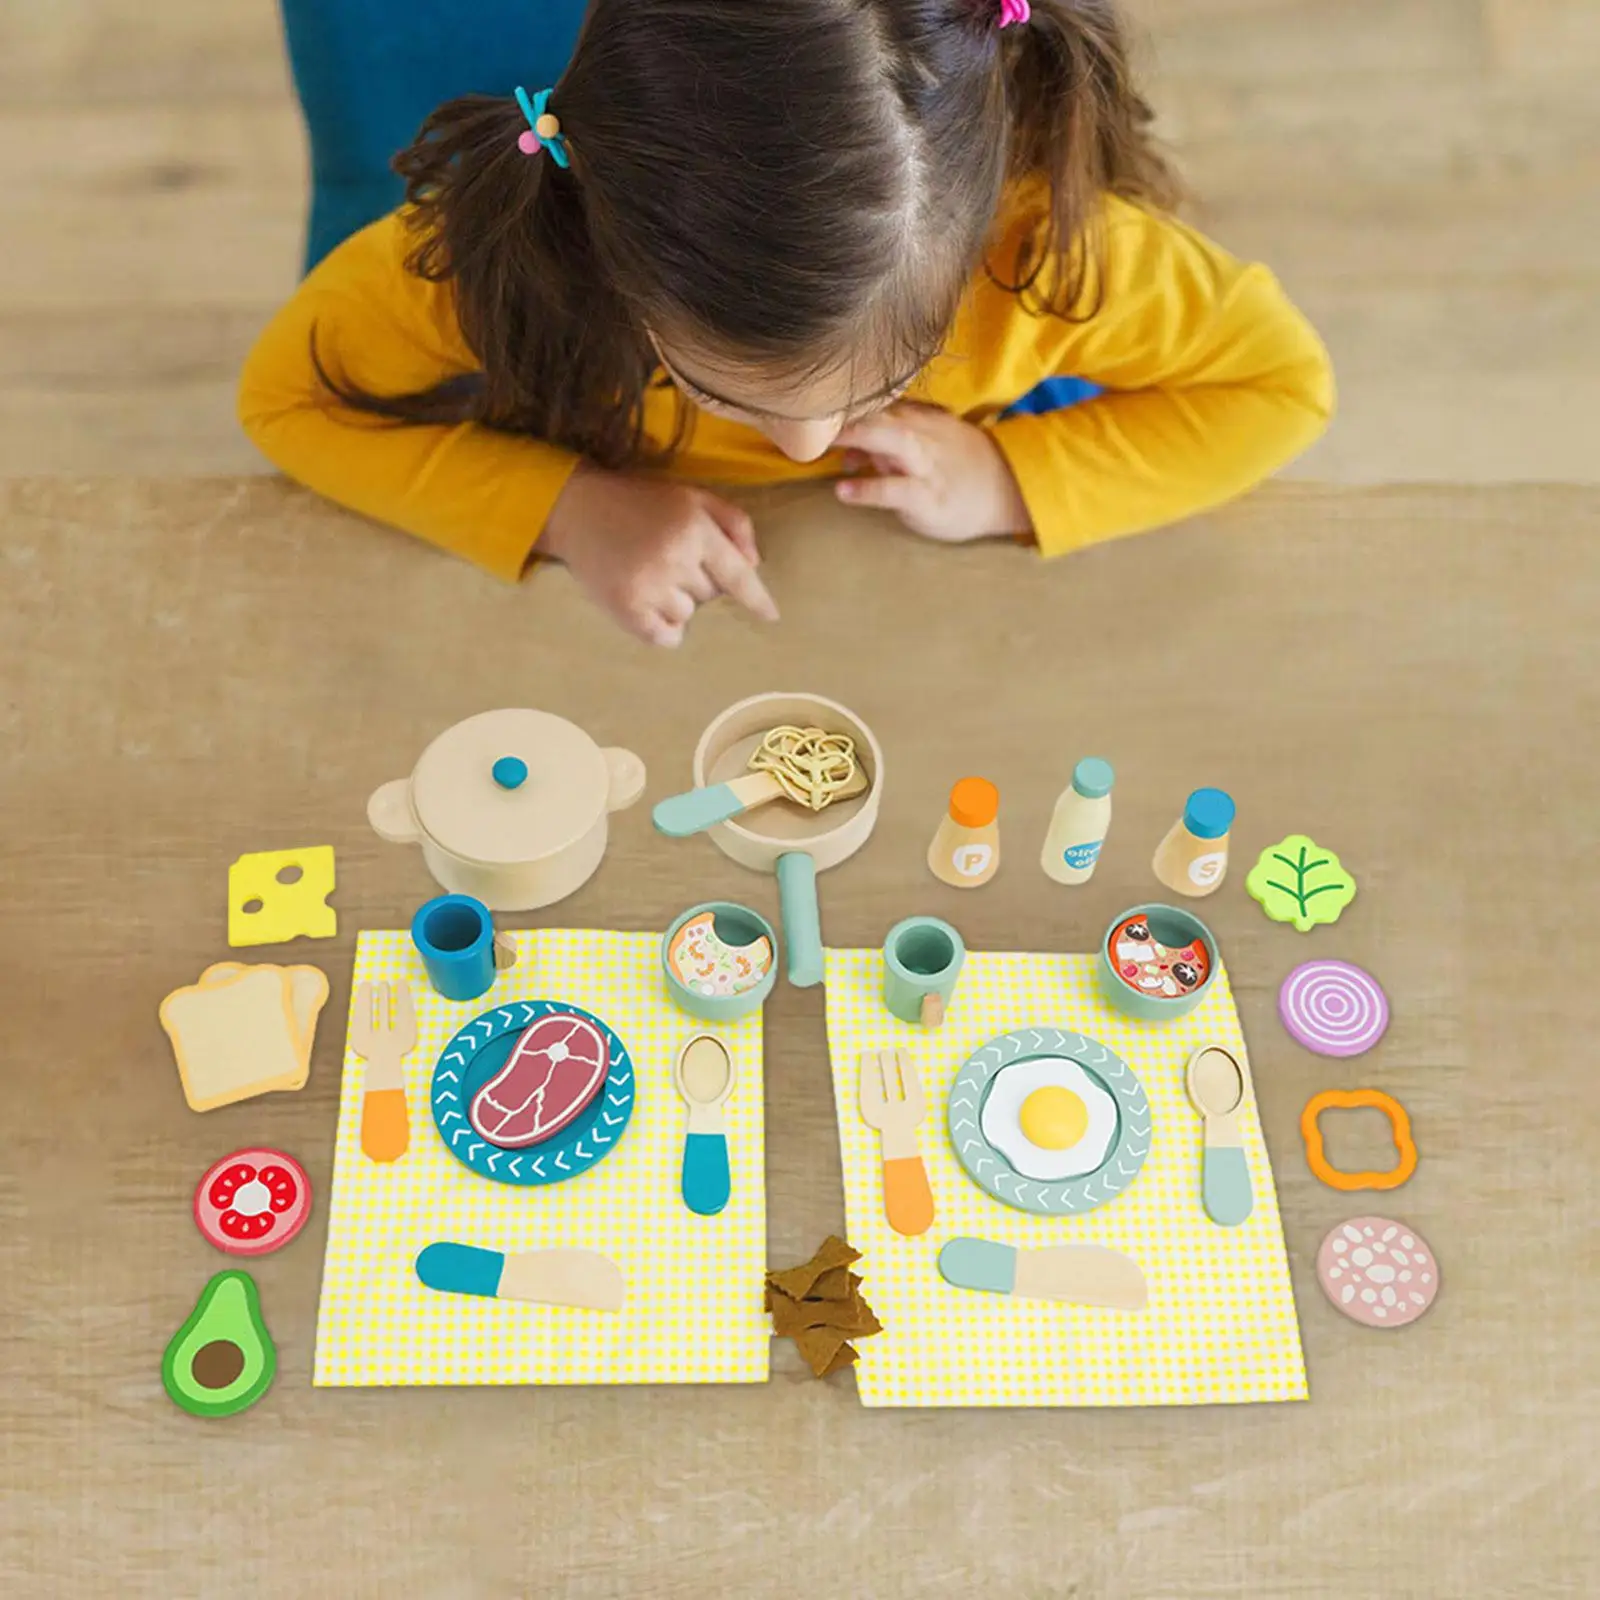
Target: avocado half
column 222, row 1359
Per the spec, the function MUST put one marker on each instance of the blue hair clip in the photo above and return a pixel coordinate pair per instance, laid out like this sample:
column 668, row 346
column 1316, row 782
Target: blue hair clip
column 543, row 130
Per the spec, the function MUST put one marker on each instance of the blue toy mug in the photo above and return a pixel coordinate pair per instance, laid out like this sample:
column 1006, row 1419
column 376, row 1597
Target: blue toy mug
column 454, row 934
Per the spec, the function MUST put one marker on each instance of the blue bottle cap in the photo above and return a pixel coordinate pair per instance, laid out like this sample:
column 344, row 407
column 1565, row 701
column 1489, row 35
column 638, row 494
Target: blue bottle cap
column 510, row 772
column 1092, row 778
column 1208, row 813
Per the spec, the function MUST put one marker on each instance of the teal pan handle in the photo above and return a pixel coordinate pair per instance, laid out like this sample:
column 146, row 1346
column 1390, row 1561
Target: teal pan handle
column 1225, row 1186
column 681, row 815
column 706, row 1183
column 802, row 921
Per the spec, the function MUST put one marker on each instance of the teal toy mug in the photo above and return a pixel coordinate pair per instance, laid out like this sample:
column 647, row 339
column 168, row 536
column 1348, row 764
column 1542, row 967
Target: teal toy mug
column 1157, row 962
column 711, row 954
column 921, row 961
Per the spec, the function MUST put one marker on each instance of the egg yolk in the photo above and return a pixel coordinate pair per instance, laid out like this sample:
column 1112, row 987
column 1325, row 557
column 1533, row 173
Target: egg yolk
column 1053, row 1118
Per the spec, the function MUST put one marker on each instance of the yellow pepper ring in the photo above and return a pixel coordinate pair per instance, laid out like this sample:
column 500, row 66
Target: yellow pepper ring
column 1349, row 1100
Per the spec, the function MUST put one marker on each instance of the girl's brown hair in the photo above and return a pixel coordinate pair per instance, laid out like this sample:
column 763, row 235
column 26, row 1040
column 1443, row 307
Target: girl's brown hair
column 802, row 184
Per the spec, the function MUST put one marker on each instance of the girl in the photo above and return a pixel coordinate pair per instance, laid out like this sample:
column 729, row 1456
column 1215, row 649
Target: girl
column 739, row 237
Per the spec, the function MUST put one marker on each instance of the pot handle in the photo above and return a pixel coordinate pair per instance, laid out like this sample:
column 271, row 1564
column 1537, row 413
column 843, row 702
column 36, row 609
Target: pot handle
column 389, row 811
column 802, row 921
column 627, row 778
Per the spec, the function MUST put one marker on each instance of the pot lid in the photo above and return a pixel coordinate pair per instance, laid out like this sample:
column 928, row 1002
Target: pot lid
column 506, row 787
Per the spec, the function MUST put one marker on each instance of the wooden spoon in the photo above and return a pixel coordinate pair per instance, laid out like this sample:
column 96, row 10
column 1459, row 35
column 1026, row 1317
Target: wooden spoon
column 1219, row 1084
column 704, row 1076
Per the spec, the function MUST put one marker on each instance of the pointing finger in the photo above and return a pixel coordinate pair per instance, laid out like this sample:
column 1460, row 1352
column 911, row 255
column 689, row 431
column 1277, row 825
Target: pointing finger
column 737, row 579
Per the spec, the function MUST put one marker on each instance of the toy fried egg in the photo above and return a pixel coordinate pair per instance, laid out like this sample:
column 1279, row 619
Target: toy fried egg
column 1050, row 1119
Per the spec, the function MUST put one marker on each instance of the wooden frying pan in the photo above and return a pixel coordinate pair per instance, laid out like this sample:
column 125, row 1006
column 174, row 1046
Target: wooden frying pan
column 793, row 842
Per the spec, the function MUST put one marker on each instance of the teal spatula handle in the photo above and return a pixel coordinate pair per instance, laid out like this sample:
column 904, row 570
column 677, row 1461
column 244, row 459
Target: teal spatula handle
column 694, row 811
column 802, row 921
column 706, row 1182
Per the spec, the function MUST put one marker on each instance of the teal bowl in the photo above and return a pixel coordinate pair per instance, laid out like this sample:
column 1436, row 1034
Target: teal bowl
column 1173, row 928
column 734, row 925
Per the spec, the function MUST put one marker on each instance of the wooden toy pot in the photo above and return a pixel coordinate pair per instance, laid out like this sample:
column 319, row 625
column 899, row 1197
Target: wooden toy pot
column 510, row 807
column 789, row 840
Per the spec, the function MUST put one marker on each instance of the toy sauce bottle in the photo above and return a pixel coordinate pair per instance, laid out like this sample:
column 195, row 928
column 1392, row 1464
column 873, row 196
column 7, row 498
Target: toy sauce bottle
column 966, row 850
column 1193, row 857
column 1078, row 827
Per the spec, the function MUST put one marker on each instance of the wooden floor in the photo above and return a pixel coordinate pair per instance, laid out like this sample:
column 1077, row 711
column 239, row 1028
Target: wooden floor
column 1424, row 175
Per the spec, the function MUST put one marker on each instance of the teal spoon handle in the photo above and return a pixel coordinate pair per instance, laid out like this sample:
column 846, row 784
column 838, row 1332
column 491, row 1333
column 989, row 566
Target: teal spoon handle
column 706, row 1182
column 802, row 921
column 681, row 815
column 1225, row 1185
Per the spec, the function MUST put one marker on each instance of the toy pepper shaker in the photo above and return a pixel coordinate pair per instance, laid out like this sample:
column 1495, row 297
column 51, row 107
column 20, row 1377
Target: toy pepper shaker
column 966, row 850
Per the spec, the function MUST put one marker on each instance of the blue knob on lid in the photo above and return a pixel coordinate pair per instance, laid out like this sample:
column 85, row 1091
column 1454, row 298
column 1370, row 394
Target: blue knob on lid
column 1208, row 813
column 510, row 772
column 1092, row 778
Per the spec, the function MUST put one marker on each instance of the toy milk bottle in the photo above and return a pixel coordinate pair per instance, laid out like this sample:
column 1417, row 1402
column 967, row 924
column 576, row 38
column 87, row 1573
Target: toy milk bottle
column 1194, row 857
column 1078, row 827
column 966, row 850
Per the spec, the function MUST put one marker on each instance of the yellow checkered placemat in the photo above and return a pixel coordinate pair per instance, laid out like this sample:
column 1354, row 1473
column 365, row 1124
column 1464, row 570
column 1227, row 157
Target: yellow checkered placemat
column 693, row 1311
column 1220, row 1325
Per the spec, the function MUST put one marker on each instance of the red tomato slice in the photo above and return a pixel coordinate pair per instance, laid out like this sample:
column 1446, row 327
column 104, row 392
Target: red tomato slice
column 252, row 1202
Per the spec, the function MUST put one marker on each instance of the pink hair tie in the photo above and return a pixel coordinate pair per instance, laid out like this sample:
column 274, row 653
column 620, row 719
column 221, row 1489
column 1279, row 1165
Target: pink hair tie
column 1013, row 11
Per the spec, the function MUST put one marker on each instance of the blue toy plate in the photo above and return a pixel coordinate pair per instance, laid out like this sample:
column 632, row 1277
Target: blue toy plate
column 991, row 1171
column 479, row 1051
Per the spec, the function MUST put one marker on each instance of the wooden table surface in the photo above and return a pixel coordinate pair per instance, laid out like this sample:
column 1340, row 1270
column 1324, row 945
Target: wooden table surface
column 192, row 670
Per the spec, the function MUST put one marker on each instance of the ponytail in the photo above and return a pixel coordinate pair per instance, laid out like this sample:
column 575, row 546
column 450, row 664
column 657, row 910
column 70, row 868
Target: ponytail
column 561, row 357
column 1079, row 124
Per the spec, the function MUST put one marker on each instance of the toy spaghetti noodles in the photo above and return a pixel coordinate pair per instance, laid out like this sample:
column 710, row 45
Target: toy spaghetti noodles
column 810, row 765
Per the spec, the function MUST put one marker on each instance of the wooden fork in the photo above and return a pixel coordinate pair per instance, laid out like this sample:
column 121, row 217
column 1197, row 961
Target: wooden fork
column 383, row 1028
column 891, row 1102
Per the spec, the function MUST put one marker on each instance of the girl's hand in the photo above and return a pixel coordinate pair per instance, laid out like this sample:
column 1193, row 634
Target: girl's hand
column 945, row 478
column 651, row 552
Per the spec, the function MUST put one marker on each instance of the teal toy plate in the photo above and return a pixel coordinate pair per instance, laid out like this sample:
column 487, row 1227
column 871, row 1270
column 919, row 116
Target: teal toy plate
column 479, row 1051
column 992, row 1172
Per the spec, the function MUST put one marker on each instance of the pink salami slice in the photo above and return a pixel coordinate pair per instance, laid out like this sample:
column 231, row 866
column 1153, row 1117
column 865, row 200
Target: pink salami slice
column 554, row 1071
column 1378, row 1271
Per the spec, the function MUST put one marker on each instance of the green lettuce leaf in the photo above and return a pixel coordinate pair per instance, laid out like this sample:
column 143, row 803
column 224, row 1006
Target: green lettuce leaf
column 1297, row 881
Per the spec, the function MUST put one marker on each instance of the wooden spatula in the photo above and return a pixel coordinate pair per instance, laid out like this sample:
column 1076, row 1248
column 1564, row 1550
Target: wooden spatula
column 698, row 809
column 383, row 1029
column 892, row 1102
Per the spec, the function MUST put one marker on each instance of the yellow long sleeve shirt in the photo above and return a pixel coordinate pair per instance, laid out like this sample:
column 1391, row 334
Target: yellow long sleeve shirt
column 1213, row 381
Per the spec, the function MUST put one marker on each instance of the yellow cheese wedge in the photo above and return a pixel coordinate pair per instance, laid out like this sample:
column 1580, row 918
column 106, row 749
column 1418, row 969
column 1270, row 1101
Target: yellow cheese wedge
column 278, row 895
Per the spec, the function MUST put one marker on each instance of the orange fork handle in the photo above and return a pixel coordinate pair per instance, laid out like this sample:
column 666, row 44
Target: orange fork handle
column 907, row 1199
column 385, row 1132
